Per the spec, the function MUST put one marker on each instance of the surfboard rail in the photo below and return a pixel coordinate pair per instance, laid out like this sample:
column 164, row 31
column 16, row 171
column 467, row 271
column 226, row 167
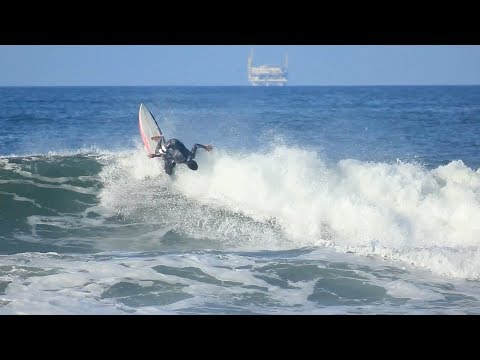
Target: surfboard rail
column 149, row 128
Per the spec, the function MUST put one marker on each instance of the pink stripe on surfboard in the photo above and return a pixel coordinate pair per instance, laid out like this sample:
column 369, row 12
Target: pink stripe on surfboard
column 146, row 143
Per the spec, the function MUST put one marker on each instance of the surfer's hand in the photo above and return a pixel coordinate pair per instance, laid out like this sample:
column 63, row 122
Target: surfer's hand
column 208, row 147
column 150, row 155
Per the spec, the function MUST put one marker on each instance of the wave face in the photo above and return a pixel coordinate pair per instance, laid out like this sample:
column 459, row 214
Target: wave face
column 274, row 222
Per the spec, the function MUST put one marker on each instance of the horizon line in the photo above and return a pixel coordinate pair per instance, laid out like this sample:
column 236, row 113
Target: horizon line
column 237, row 85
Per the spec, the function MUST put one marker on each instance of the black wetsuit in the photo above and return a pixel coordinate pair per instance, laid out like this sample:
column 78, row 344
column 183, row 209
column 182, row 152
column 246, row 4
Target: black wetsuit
column 176, row 153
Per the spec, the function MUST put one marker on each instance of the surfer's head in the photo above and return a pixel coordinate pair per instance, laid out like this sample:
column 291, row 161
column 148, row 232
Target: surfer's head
column 192, row 165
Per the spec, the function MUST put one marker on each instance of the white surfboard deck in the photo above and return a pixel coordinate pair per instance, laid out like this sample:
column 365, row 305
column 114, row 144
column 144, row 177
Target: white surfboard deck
column 148, row 128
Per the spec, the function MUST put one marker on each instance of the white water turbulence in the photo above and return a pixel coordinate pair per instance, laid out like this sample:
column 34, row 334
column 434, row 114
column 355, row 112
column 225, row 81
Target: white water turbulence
column 288, row 198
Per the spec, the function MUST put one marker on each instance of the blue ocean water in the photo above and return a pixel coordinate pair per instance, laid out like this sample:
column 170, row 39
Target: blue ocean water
column 315, row 200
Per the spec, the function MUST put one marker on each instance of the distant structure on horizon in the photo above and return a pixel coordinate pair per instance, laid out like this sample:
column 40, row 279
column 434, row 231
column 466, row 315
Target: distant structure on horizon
column 267, row 75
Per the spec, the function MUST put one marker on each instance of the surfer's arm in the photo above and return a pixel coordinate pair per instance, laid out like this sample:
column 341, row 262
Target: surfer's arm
column 161, row 148
column 194, row 148
column 161, row 143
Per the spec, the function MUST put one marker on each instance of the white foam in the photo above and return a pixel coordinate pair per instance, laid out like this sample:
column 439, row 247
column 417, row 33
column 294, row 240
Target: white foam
column 289, row 198
column 86, row 151
column 402, row 289
column 49, row 283
column 20, row 198
column 78, row 189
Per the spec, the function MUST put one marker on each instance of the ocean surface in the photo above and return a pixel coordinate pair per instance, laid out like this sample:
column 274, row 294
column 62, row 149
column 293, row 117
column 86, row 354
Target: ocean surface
column 314, row 200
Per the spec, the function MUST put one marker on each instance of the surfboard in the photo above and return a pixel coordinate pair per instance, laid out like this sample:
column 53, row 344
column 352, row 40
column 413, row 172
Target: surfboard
column 148, row 128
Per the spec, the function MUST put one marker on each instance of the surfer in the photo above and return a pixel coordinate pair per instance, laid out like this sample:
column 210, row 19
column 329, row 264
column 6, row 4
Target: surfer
column 174, row 152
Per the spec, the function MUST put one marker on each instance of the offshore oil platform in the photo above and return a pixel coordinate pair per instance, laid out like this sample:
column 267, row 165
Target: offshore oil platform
column 267, row 75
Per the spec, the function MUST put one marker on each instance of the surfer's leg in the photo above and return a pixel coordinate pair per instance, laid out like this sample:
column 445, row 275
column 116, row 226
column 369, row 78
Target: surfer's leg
column 169, row 165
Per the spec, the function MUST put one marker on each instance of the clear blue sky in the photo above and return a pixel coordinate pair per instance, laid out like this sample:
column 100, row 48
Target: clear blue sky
column 46, row 65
